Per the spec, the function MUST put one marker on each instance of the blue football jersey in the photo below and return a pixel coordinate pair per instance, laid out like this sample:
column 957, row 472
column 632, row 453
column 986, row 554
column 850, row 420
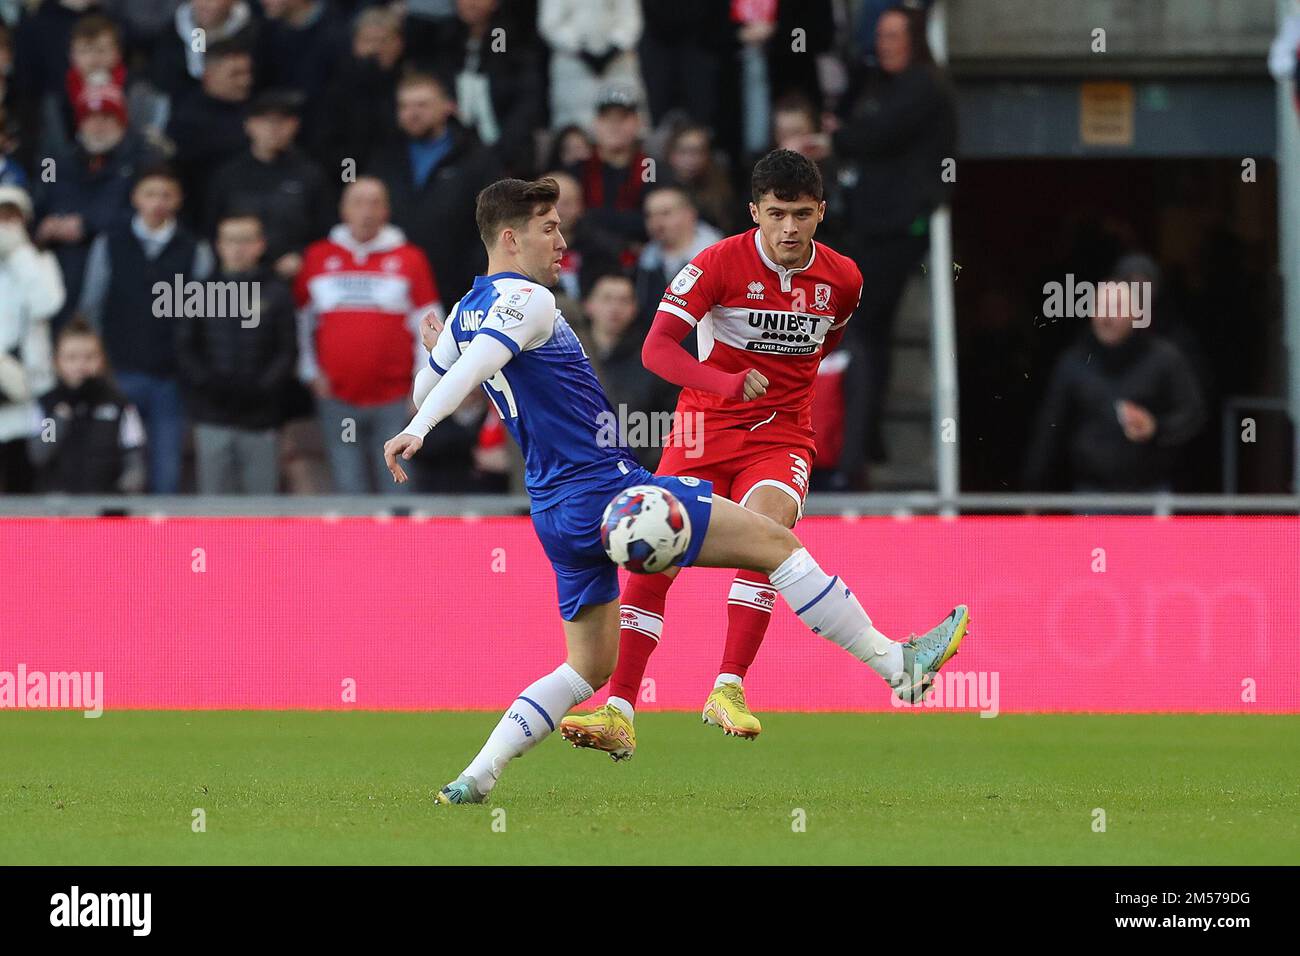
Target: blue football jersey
column 548, row 395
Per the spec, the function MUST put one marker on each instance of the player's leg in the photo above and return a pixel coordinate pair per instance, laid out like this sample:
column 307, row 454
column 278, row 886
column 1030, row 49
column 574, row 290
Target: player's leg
column 771, row 485
column 641, row 623
column 591, row 637
column 739, row 538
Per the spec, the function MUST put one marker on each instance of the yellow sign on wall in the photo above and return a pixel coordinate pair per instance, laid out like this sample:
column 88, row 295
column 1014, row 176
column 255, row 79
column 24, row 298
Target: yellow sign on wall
column 1106, row 114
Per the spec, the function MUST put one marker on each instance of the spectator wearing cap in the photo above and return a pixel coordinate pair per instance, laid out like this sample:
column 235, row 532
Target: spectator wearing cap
column 95, row 59
column 677, row 235
column 434, row 170
column 118, row 300
column 593, row 46
column 298, row 46
column 235, row 371
column 614, row 177
column 91, row 192
column 176, row 67
column 92, row 439
column 274, row 180
column 31, row 292
column 41, row 45
column 358, row 110
column 207, row 124
column 499, row 91
column 613, row 340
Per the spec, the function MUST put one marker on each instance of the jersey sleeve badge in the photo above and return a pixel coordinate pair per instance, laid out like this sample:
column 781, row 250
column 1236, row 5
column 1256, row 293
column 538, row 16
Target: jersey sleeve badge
column 686, row 279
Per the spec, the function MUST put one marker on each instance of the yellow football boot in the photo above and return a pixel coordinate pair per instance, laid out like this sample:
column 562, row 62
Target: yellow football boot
column 726, row 708
column 605, row 728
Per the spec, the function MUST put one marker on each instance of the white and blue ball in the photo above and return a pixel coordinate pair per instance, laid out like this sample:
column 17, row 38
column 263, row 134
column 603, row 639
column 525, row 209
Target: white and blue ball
column 645, row 529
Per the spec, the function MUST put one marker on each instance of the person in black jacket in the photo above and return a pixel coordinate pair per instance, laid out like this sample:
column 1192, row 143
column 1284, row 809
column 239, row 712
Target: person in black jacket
column 1120, row 404
column 91, row 439
column 276, row 180
column 128, row 297
column 235, row 368
column 898, row 130
column 434, row 170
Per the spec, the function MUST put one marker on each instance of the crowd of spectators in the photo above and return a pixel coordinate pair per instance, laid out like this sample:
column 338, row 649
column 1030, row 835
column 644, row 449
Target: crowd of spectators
column 327, row 154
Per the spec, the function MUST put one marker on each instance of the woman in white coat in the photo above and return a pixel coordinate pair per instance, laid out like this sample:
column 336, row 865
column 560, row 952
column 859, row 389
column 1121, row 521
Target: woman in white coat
column 31, row 292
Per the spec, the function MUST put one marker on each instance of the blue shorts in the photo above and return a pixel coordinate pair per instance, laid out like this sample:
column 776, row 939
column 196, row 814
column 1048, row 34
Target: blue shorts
column 570, row 536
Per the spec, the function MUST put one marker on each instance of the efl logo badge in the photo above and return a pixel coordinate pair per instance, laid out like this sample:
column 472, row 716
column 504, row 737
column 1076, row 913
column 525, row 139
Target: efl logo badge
column 517, row 298
column 822, row 296
column 686, row 279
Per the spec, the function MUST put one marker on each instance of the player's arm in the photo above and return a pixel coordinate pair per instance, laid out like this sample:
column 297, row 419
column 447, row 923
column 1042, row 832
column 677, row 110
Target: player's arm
column 510, row 327
column 686, row 300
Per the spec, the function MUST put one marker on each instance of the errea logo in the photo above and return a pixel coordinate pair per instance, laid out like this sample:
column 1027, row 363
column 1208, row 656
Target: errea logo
column 755, row 290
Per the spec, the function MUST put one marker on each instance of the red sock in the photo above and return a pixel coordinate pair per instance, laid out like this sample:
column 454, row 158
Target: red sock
column 749, row 611
column 642, row 614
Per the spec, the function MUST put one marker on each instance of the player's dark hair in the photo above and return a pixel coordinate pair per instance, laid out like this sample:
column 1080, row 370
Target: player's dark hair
column 512, row 202
column 787, row 175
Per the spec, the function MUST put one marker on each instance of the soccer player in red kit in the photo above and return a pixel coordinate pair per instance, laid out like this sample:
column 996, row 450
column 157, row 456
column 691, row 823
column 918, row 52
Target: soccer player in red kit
column 766, row 305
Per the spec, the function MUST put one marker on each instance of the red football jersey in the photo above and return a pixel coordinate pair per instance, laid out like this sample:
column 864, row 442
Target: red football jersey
column 750, row 312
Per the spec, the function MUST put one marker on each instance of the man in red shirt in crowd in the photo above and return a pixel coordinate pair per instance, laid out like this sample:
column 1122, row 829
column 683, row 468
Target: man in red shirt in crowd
column 765, row 306
column 361, row 295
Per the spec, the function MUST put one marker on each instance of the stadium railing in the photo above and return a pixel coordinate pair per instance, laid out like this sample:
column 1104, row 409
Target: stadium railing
column 825, row 504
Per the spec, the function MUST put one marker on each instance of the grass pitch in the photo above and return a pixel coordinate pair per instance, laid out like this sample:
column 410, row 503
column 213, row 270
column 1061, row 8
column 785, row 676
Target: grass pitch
column 354, row 788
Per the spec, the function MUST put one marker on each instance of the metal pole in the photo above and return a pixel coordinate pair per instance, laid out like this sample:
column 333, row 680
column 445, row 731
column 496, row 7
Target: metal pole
column 943, row 344
column 1288, row 221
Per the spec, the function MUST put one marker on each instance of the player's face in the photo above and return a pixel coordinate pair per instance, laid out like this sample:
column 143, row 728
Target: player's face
column 541, row 247
column 788, row 227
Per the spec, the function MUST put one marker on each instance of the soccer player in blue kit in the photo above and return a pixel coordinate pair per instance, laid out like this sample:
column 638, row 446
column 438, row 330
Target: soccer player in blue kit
column 507, row 336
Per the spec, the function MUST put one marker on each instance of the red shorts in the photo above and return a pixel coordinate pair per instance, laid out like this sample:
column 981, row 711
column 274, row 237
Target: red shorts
column 737, row 464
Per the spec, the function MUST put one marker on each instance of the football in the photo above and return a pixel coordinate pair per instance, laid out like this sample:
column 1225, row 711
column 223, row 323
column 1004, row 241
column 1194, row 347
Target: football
column 645, row 529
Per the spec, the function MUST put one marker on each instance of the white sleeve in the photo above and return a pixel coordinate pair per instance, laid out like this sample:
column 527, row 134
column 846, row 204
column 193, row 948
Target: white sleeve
column 485, row 356
column 521, row 319
column 445, row 350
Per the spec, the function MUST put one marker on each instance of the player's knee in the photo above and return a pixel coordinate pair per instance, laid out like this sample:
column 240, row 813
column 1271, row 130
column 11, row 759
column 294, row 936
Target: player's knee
column 777, row 541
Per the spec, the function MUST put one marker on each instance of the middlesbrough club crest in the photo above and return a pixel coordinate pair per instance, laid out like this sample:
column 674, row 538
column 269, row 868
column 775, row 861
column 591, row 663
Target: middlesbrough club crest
column 822, row 297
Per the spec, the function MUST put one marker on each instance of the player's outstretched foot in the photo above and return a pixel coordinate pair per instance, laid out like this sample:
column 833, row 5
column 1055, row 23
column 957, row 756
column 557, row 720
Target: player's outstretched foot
column 924, row 655
column 726, row 708
column 605, row 728
column 461, row 790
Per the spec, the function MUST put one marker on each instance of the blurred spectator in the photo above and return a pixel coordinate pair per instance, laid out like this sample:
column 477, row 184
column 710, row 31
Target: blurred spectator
column 235, row 369
column 119, row 300
column 684, row 48
column 434, row 171
column 795, row 125
column 298, row 46
column 570, row 146
column 676, row 236
column 587, row 249
column 899, row 128
column 614, row 178
column 593, row 46
column 41, row 45
column 207, row 124
column 697, row 170
column 613, row 343
column 357, row 112
column 96, row 440
column 274, row 180
column 31, row 291
column 362, row 293
column 95, row 55
column 496, row 77
column 143, row 22
column 91, row 192
column 1120, row 404
column 177, row 67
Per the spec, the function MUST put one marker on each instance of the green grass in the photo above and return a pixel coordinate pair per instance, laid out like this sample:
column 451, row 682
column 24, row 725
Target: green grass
column 929, row 788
